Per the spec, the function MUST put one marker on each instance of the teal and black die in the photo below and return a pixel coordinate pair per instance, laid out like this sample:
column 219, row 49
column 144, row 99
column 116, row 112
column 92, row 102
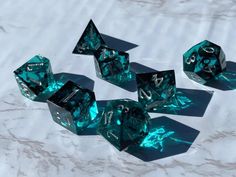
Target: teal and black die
column 204, row 61
column 90, row 40
column 35, row 79
column 112, row 65
column 123, row 122
column 73, row 107
column 155, row 89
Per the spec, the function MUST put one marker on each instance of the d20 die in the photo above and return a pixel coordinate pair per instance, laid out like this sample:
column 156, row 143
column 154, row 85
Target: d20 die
column 90, row 40
column 73, row 107
column 123, row 122
column 155, row 89
column 204, row 61
column 35, row 79
column 112, row 65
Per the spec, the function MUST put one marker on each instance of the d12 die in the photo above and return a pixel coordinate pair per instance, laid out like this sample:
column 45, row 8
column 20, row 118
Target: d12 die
column 204, row 61
column 73, row 107
column 155, row 89
column 123, row 122
column 35, row 79
column 90, row 40
column 112, row 65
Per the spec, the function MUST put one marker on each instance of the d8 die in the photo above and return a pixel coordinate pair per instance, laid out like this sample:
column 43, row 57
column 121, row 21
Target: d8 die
column 35, row 79
column 123, row 122
column 155, row 89
column 90, row 40
column 112, row 65
column 73, row 107
column 204, row 61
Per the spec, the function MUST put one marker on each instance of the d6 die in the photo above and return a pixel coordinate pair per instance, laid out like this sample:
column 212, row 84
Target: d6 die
column 73, row 107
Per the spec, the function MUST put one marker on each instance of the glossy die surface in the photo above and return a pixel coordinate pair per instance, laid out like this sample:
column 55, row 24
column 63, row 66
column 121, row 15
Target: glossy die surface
column 204, row 61
column 112, row 65
column 123, row 122
column 35, row 78
column 90, row 40
column 73, row 107
column 155, row 89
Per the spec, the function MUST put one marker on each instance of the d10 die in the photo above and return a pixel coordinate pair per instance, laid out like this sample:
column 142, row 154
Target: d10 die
column 123, row 122
column 204, row 61
column 112, row 65
column 90, row 40
column 35, row 79
column 73, row 107
column 155, row 89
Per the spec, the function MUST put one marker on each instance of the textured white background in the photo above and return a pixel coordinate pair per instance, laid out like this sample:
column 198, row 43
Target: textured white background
column 31, row 144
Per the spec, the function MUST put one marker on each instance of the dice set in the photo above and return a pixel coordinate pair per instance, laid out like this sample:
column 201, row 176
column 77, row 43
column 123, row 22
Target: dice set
column 122, row 122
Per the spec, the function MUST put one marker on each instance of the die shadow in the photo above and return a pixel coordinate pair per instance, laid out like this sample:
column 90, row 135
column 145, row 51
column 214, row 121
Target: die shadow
column 81, row 80
column 187, row 102
column 226, row 80
column 128, row 85
column 135, row 68
column 138, row 68
column 117, row 44
column 101, row 104
column 166, row 138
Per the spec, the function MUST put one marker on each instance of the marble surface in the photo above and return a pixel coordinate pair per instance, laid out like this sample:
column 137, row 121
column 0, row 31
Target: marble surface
column 31, row 144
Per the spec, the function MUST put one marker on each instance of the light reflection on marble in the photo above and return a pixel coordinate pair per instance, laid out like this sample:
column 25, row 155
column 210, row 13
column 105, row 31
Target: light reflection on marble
column 31, row 144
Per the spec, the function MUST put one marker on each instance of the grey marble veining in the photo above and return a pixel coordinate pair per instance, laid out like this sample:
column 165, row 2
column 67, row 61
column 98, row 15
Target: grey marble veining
column 32, row 145
column 211, row 9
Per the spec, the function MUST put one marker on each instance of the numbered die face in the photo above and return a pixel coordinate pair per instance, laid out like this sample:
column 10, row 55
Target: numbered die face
column 90, row 40
column 73, row 107
column 112, row 65
column 35, row 78
column 204, row 61
column 123, row 122
column 155, row 89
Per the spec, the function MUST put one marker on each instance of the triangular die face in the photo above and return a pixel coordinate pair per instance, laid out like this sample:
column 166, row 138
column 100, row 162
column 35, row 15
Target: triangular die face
column 90, row 40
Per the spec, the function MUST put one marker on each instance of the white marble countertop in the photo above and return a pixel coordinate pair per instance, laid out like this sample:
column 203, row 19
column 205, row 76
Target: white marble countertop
column 31, row 144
